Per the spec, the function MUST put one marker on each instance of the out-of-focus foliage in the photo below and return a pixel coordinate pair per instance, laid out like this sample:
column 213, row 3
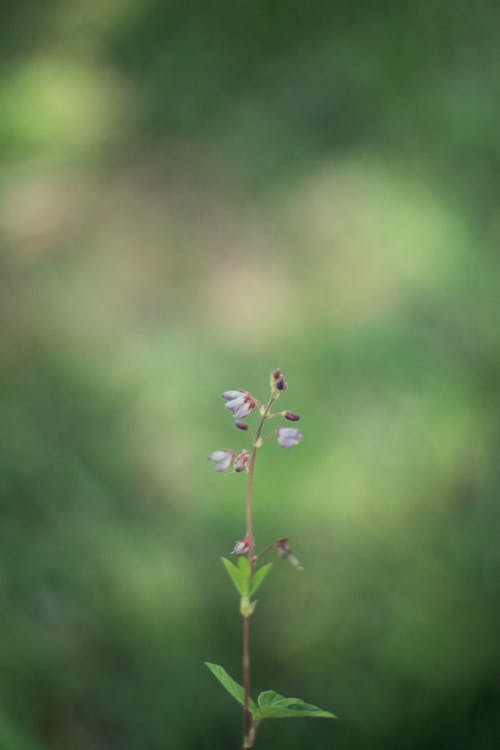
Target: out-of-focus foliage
column 191, row 195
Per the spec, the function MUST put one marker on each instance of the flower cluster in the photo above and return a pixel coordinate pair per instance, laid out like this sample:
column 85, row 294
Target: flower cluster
column 241, row 404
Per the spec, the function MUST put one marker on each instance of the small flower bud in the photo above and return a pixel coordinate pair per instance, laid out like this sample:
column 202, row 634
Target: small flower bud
column 281, row 384
column 241, row 461
column 276, row 374
column 291, row 416
column 240, row 425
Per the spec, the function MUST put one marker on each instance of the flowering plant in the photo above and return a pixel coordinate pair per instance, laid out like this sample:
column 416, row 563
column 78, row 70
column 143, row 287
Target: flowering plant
column 246, row 575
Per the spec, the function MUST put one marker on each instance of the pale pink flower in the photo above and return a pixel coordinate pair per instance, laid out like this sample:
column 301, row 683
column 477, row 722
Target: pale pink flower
column 240, row 403
column 222, row 459
column 241, row 547
column 241, row 461
column 289, row 436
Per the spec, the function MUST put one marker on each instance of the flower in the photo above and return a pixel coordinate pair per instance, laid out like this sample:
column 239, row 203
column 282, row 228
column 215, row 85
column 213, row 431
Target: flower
column 241, row 460
column 222, row 459
column 242, row 546
column 285, row 551
column 289, row 436
column 282, row 547
column 240, row 403
column 291, row 416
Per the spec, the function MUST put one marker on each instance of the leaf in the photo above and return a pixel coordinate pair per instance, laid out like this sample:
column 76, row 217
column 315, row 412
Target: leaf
column 244, row 566
column 239, row 576
column 259, row 576
column 232, row 687
column 272, row 705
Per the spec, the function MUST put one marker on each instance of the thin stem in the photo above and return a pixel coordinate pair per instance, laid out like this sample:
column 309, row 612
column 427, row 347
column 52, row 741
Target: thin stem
column 246, row 680
column 251, row 466
column 263, row 552
column 247, row 738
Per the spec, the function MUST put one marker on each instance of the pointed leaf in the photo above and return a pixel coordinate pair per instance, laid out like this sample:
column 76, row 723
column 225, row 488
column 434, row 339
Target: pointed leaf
column 232, row 687
column 237, row 576
column 272, row 705
column 259, row 576
column 244, row 566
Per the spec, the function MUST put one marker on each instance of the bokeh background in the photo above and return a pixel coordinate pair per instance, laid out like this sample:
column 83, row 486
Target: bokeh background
column 192, row 194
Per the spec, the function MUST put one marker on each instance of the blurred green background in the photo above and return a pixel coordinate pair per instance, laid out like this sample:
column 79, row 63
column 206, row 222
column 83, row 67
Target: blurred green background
column 192, row 194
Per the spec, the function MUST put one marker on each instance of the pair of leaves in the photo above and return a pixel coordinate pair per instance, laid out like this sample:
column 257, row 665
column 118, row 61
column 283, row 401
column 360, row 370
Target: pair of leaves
column 240, row 575
column 271, row 705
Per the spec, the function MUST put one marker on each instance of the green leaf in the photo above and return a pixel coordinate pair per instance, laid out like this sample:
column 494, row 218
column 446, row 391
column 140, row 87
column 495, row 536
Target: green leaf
column 232, row 687
column 259, row 576
column 238, row 575
column 244, row 566
column 272, row 705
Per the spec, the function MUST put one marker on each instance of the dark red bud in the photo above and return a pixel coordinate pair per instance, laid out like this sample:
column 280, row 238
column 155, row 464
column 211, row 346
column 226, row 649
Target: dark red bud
column 240, row 425
column 291, row 416
column 276, row 374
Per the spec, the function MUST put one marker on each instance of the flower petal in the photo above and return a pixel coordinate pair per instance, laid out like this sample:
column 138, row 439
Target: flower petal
column 232, row 394
column 218, row 456
column 289, row 436
column 243, row 410
column 222, row 459
column 235, row 403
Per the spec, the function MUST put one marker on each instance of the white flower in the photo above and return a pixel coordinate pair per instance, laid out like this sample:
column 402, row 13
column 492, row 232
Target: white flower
column 222, row 459
column 239, row 402
column 289, row 436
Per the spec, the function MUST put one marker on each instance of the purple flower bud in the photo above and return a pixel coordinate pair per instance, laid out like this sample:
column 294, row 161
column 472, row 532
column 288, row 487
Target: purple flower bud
column 281, row 384
column 276, row 374
column 222, row 459
column 289, row 436
column 240, row 425
column 241, row 547
column 291, row 416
